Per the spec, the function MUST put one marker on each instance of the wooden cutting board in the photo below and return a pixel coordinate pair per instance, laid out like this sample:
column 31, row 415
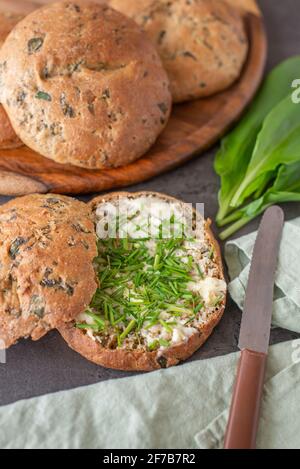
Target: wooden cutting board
column 193, row 128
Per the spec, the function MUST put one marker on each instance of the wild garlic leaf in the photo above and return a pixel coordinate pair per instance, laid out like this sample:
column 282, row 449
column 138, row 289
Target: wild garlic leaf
column 277, row 143
column 232, row 160
column 286, row 188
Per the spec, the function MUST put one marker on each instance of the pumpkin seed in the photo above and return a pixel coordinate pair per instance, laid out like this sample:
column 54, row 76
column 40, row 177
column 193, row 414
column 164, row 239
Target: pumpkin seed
column 163, row 107
column 43, row 95
column 66, row 108
column 37, row 306
column 14, row 248
column 35, row 44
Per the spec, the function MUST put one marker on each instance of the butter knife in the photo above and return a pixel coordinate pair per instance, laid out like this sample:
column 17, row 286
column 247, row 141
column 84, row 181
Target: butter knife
column 255, row 334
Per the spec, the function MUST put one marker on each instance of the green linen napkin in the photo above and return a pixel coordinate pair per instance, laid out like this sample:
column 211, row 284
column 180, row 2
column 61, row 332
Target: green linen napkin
column 182, row 407
column 286, row 306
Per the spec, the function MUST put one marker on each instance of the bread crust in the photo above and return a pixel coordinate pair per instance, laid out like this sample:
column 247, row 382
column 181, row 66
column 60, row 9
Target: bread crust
column 82, row 84
column 8, row 137
column 47, row 247
column 202, row 43
column 140, row 360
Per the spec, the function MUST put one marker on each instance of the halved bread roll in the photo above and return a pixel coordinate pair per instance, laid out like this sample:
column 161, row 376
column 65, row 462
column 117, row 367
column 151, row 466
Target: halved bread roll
column 161, row 285
column 47, row 246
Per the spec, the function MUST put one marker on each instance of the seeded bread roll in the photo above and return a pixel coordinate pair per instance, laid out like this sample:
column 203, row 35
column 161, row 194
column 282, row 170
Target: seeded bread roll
column 202, row 43
column 8, row 137
column 83, row 85
column 47, row 246
column 104, row 338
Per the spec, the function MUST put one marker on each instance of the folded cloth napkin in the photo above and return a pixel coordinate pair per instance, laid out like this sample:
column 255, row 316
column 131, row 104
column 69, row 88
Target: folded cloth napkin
column 182, row 407
column 286, row 306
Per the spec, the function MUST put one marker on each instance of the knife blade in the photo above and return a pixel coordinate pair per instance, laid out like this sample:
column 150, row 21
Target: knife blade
column 255, row 334
column 257, row 315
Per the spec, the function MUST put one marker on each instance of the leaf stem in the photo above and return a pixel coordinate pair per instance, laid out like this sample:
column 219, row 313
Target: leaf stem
column 236, row 215
column 128, row 329
column 235, row 227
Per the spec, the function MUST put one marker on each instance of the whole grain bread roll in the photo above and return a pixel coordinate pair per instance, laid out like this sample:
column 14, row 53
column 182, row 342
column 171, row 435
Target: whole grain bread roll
column 8, row 137
column 47, row 246
column 146, row 347
column 83, row 85
column 202, row 43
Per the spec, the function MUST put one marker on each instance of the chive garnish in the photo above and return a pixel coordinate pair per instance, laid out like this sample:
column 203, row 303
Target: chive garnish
column 128, row 329
column 198, row 308
column 164, row 343
column 156, row 262
column 200, row 273
column 137, row 285
column 86, row 326
column 166, row 326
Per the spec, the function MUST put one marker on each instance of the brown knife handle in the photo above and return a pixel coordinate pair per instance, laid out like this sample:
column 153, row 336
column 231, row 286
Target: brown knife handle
column 245, row 406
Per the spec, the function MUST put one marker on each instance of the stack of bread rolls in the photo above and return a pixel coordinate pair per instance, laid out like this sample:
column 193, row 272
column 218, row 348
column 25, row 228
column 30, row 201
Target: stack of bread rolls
column 92, row 84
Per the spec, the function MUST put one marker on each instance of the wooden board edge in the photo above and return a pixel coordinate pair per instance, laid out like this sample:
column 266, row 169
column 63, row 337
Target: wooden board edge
column 13, row 184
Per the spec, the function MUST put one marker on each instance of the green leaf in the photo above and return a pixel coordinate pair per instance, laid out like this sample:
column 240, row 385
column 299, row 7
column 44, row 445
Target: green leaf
column 286, row 188
column 277, row 143
column 43, row 95
column 236, row 149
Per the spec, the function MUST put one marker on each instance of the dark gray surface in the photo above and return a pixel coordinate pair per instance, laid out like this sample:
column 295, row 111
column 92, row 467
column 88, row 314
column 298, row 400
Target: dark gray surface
column 35, row 368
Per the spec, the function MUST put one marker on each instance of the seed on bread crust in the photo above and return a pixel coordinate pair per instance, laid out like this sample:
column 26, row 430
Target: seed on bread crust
column 202, row 43
column 44, row 281
column 79, row 68
column 132, row 335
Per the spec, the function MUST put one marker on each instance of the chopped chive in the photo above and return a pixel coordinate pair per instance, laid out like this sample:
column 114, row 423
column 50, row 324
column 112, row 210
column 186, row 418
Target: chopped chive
column 138, row 285
column 173, row 288
column 156, row 262
column 119, row 341
column 166, row 326
column 154, row 345
column 125, row 244
column 164, row 343
column 198, row 308
column 121, row 319
column 86, row 326
column 111, row 314
column 177, row 309
column 201, row 275
column 96, row 318
column 128, row 329
column 217, row 301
